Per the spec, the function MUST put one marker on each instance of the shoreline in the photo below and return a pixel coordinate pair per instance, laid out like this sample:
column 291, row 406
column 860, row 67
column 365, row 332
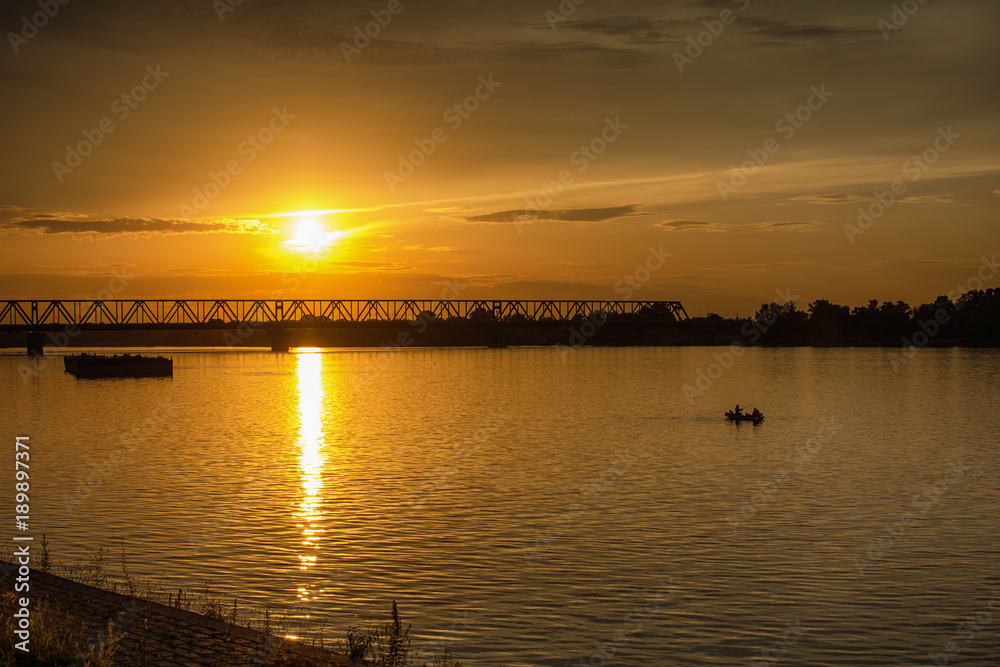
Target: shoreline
column 141, row 631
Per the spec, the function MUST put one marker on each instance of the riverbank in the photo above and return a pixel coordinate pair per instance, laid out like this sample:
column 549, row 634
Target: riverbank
column 71, row 619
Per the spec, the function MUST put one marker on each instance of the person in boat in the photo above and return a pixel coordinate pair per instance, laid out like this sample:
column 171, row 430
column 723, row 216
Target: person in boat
column 738, row 411
column 756, row 413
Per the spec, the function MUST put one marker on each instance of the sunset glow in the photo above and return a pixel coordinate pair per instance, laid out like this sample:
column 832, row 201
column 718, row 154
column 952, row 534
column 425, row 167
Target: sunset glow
column 311, row 238
column 530, row 155
column 619, row 332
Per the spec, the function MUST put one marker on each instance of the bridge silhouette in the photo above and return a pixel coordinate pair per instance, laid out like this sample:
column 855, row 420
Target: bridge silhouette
column 60, row 320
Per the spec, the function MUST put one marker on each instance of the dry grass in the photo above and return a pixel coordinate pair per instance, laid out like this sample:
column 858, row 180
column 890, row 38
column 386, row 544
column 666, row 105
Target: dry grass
column 59, row 638
column 56, row 638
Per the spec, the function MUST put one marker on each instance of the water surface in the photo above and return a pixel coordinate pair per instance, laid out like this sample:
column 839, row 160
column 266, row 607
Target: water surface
column 542, row 507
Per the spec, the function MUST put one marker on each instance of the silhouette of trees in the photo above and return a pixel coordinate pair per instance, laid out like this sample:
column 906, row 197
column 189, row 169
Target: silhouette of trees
column 783, row 323
column 828, row 322
column 972, row 319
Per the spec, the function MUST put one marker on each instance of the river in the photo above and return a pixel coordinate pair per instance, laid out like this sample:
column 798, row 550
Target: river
column 543, row 506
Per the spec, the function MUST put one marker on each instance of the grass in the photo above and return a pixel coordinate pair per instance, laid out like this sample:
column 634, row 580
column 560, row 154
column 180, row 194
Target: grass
column 57, row 638
column 386, row 642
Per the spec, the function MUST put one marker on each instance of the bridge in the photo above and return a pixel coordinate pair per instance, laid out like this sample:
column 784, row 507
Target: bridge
column 59, row 319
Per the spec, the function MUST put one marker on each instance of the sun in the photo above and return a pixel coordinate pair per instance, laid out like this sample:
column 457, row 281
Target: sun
column 311, row 237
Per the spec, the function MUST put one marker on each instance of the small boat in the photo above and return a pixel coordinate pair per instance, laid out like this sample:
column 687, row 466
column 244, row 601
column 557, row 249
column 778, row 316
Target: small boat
column 732, row 416
column 89, row 366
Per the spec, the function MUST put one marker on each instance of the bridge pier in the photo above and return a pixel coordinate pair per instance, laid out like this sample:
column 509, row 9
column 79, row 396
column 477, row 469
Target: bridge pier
column 279, row 339
column 36, row 344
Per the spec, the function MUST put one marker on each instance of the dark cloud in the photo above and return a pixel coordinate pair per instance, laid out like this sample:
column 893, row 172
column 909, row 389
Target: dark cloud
column 770, row 226
column 591, row 54
column 380, row 266
column 789, row 226
column 563, row 215
column 691, row 226
column 829, row 199
column 628, row 29
column 52, row 223
column 783, row 33
column 653, row 30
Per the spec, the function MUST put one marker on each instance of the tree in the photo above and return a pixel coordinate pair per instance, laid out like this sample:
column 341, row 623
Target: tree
column 828, row 321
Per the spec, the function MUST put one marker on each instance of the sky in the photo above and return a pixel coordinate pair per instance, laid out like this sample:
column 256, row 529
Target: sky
column 708, row 151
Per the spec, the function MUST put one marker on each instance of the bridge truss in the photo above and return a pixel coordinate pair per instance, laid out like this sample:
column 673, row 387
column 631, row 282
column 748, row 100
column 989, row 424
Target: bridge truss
column 27, row 315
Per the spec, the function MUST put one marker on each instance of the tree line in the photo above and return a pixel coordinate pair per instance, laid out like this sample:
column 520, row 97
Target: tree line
column 972, row 319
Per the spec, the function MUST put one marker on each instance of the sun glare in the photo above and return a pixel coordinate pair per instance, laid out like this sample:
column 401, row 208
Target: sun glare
column 311, row 237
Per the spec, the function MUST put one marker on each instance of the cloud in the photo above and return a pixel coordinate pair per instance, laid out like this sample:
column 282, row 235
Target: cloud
column 597, row 56
column 440, row 248
column 783, row 33
column 380, row 266
column 692, row 226
column 447, row 209
column 788, row 226
column 628, row 29
column 928, row 199
column 770, row 226
column 8, row 211
column 562, row 215
column 830, row 199
column 56, row 223
column 390, row 52
column 833, row 199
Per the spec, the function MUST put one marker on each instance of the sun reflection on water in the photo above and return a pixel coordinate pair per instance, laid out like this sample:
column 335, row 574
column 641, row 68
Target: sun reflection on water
column 309, row 515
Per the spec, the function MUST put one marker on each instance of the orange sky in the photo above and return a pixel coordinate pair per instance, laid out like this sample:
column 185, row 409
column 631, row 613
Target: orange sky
column 608, row 127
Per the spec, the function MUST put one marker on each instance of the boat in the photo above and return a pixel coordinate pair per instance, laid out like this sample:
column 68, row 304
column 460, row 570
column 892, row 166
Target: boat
column 732, row 416
column 89, row 366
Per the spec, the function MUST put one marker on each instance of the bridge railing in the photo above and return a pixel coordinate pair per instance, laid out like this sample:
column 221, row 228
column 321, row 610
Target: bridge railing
column 213, row 313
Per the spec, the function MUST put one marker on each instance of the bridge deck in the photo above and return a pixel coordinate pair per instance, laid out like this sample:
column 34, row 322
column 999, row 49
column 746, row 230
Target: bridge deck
column 27, row 315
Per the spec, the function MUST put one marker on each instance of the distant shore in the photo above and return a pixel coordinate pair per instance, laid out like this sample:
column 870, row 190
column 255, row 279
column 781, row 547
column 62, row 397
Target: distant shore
column 691, row 333
column 972, row 320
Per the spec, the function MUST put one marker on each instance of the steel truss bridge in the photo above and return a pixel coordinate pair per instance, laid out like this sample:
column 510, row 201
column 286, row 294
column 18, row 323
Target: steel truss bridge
column 36, row 316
